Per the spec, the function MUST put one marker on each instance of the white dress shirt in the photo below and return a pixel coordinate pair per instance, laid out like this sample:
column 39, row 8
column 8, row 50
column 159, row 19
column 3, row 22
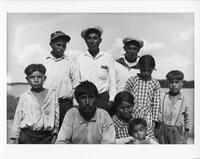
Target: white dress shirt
column 61, row 76
column 100, row 70
column 31, row 114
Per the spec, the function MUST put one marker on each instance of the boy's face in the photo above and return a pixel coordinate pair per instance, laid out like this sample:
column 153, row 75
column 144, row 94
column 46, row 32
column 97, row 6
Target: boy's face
column 175, row 85
column 139, row 132
column 87, row 106
column 145, row 73
column 93, row 41
column 36, row 80
column 131, row 52
column 58, row 47
column 124, row 111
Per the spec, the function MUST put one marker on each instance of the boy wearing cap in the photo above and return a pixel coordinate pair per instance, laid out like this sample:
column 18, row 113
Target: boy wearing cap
column 132, row 47
column 146, row 91
column 174, row 115
column 98, row 67
column 61, row 73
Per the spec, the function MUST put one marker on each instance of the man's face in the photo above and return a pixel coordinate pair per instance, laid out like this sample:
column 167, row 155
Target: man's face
column 175, row 85
column 93, row 41
column 131, row 52
column 87, row 106
column 124, row 111
column 58, row 47
column 139, row 132
column 145, row 73
column 36, row 80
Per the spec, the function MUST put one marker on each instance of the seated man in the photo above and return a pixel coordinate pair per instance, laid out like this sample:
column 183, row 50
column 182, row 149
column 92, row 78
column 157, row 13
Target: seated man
column 86, row 124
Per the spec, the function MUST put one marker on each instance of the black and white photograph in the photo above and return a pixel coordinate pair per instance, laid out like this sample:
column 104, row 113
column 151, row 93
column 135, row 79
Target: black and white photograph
column 112, row 78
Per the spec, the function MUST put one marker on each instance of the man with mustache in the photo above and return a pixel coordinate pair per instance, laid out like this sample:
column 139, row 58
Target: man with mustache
column 86, row 124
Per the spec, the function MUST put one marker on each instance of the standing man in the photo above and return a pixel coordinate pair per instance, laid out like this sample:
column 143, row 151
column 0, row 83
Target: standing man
column 132, row 47
column 61, row 73
column 98, row 67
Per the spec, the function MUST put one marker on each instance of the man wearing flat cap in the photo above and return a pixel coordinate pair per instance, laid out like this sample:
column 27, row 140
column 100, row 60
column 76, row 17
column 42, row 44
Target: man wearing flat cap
column 98, row 67
column 61, row 73
column 132, row 47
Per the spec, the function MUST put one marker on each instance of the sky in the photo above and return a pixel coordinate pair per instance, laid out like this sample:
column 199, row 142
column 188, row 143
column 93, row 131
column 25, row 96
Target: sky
column 168, row 37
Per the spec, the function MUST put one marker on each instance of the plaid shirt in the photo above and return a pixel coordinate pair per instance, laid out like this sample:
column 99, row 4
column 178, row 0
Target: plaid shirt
column 147, row 95
column 121, row 128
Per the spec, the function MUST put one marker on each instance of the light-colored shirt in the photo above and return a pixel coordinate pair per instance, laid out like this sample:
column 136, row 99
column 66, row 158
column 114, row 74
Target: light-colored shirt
column 61, row 76
column 122, row 76
column 75, row 130
column 99, row 70
column 31, row 114
column 176, row 113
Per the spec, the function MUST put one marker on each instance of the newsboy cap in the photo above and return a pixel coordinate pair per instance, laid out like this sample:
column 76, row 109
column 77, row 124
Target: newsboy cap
column 96, row 29
column 58, row 34
column 136, row 40
column 145, row 61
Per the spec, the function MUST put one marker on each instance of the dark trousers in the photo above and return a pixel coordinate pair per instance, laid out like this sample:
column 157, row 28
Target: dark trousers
column 102, row 101
column 28, row 136
column 64, row 105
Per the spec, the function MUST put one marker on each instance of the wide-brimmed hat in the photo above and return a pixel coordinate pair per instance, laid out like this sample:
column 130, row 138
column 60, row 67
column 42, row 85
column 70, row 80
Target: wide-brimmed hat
column 133, row 39
column 59, row 34
column 145, row 61
column 97, row 29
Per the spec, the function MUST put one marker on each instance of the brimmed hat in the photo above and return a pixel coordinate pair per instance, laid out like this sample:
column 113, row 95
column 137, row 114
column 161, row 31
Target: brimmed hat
column 130, row 39
column 146, row 61
column 175, row 74
column 58, row 34
column 91, row 29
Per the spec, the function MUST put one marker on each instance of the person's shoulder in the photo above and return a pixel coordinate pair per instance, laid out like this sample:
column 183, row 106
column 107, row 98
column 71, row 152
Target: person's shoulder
column 155, row 82
column 102, row 113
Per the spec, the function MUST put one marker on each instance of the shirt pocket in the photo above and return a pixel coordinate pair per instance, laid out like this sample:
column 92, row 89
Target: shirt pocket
column 103, row 72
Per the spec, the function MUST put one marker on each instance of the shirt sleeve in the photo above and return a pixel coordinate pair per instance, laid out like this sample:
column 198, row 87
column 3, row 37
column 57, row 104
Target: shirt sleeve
column 108, row 135
column 129, row 84
column 65, row 133
column 74, row 75
column 15, row 130
column 112, row 80
column 187, row 113
column 56, row 127
column 156, row 103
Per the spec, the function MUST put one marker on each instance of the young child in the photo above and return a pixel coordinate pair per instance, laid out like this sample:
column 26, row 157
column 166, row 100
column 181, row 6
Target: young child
column 147, row 93
column 137, row 128
column 36, row 118
column 174, row 116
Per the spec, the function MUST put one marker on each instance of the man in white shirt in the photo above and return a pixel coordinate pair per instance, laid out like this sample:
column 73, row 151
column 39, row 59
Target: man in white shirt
column 132, row 47
column 98, row 67
column 61, row 72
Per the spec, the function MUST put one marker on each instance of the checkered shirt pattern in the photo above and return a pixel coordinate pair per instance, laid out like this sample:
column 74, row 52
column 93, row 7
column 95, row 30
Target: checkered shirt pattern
column 121, row 128
column 147, row 96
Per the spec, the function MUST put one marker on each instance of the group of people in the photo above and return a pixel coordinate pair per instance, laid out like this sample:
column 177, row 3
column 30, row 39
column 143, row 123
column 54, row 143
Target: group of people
column 97, row 100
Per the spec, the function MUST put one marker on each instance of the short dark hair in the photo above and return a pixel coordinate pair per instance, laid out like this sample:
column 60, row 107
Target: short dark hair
column 85, row 87
column 175, row 74
column 35, row 67
column 121, row 97
column 133, row 122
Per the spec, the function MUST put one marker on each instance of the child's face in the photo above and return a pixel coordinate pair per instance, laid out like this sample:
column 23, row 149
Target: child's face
column 175, row 85
column 124, row 111
column 145, row 73
column 36, row 80
column 139, row 132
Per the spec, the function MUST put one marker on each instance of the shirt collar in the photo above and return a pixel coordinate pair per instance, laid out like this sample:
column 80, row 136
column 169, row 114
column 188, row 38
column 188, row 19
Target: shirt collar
column 180, row 97
column 128, row 63
column 83, row 121
column 119, row 123
column 97, row 56
column 57, row 59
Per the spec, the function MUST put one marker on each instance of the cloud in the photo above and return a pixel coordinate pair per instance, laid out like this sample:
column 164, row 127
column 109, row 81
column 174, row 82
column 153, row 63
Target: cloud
column 185, row 36
column 148, row 46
